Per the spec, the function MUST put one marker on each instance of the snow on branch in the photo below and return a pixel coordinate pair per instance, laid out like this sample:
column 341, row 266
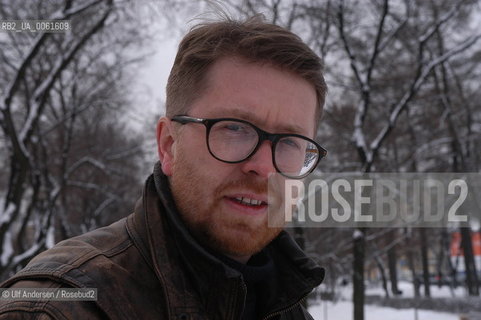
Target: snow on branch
column 102, row 206
column 376, row 143
column 453, row 51
column 91, row 161
column 125, row 153
column 6, row 216
column 347, row 47
column 93, row 186
column 37, row 100
column 26, row 255
column 8, row 257
column 432, row 30
column 376, row 49
column 364, row 84
column 357, row 234
column 387, row 39
column 12, row 86
column 7, row 249
column 33, row 50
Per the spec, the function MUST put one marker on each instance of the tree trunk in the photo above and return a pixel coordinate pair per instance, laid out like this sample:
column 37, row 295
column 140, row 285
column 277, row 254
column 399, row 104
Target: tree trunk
column 392, row 264
column 449, row 269
column 359, row 246
column 425, row 262
column 412, row 267
column 382, row 271
column 470, row 267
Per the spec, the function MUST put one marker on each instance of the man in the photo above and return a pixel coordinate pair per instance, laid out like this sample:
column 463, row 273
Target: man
column 243, row 103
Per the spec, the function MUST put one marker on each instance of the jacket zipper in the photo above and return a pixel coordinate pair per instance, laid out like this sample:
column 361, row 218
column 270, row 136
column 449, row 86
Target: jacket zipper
column 237, row 295
column 277, row 313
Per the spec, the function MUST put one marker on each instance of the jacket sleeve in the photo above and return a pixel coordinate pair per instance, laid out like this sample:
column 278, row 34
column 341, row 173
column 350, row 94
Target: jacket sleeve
column 26, row 310
column 17, row 309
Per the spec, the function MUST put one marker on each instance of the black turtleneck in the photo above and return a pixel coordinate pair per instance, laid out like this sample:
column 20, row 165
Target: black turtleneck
column 256, row 272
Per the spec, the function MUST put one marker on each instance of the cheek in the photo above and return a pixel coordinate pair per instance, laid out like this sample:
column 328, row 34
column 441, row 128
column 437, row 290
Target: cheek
column 214, row 171
column 194, row 178
column 192, row 144
column 201, row 174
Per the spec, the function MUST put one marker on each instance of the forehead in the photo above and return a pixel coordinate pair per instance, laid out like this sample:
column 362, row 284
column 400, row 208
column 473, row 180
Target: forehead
column 272, row 98
column 245, row 114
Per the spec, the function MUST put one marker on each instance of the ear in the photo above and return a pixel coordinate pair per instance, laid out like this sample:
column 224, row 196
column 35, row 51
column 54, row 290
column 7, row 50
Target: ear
column 165, row 144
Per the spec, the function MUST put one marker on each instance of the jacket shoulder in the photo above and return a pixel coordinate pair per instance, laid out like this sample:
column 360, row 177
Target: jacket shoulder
column 105, row 259
column 71, row 260
column 298, row 313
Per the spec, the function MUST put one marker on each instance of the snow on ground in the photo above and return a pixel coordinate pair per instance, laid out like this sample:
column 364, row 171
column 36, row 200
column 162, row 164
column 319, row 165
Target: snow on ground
column 408, row 290
column 343, row 310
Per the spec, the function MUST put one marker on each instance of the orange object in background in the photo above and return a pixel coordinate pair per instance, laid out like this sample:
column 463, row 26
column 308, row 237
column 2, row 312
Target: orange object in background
column 456, row 244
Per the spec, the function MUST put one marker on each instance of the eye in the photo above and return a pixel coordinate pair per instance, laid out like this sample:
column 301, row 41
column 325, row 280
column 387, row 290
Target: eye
column 234, row 128
column 291, row 143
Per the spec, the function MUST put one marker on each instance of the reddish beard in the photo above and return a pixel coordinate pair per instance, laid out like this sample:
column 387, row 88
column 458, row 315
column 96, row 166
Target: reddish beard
column 231, row 234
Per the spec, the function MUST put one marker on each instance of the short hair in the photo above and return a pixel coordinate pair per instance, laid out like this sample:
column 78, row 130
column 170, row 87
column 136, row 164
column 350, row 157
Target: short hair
column 252, row 39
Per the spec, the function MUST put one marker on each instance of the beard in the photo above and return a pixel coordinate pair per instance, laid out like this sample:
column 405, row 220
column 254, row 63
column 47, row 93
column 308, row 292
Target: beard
column 199, row 198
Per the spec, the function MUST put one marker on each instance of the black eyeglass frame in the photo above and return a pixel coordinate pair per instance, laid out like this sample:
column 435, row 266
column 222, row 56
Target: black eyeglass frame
column 262, row 134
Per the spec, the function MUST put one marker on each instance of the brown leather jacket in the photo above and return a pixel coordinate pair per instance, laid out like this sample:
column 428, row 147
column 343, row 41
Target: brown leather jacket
column 147, row 266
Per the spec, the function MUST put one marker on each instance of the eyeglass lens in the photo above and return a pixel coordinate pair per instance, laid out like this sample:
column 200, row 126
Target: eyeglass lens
column 234, row 141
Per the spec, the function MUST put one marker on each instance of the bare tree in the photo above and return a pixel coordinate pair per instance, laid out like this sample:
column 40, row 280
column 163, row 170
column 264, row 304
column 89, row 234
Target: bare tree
column 367, row 61
column 68, row 149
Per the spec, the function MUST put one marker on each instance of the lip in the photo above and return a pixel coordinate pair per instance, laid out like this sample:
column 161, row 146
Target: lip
column 245, row 209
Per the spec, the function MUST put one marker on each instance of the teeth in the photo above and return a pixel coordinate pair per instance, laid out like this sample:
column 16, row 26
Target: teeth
column 248, row 201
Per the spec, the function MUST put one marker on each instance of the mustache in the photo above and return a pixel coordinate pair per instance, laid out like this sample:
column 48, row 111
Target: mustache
column 254, row 186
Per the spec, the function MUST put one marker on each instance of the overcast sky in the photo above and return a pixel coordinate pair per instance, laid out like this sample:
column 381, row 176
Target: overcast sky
column 152, row 75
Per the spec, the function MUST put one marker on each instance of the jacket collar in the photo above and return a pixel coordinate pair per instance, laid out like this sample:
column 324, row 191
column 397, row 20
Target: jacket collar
column 166, row 242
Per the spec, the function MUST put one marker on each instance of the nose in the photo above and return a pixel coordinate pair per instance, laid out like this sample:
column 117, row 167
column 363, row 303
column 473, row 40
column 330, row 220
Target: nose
column 261, row 162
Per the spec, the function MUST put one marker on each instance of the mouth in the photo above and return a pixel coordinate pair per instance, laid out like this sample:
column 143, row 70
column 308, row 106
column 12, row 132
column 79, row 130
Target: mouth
column 249, row 201
column 248, row 204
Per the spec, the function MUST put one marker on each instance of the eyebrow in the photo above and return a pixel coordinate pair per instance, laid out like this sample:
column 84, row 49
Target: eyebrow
column 286, row 128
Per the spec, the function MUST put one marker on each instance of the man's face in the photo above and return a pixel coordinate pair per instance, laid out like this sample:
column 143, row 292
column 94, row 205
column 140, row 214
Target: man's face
column 207, row 191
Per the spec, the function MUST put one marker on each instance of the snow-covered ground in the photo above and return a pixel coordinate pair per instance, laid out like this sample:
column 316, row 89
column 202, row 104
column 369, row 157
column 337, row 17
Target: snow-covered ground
column 343, row 308
column 408, row 291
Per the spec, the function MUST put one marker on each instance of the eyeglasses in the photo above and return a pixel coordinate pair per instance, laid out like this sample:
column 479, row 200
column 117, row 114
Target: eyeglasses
column 233, row 140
